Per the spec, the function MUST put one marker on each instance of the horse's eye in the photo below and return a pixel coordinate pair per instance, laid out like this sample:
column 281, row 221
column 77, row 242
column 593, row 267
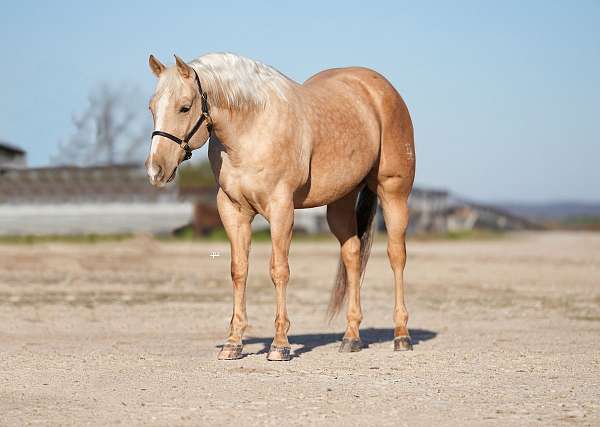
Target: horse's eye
column 184, row 109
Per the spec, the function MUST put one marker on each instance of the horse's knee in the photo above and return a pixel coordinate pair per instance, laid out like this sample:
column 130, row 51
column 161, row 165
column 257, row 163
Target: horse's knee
column 238, row 272
column 280, row 273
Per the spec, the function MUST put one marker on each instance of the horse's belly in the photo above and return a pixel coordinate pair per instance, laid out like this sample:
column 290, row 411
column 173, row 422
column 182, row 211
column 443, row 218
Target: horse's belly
column 336, row 170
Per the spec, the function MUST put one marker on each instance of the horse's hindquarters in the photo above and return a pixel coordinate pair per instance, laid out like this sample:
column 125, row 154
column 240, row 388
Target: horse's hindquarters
column 345, row 121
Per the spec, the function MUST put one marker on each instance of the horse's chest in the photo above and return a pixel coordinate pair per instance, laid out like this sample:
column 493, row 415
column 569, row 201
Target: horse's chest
column 244, row 186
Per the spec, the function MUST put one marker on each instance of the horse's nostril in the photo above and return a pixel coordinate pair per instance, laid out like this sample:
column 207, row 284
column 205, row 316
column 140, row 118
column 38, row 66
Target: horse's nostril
column 155, row 172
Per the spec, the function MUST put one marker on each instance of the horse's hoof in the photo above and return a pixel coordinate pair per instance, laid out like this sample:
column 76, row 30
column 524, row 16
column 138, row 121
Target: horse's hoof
column 350, row 345
column 402, row 344
column 279, row 354
column 230, row 352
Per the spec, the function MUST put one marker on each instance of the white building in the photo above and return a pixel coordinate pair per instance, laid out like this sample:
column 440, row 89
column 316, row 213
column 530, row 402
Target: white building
column 91, row 200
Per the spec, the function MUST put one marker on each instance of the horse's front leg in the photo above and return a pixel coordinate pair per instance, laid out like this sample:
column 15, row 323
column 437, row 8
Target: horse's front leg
column 281, row 218
column 237, row 223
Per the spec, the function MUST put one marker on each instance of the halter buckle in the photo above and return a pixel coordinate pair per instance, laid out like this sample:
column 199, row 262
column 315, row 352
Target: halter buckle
column 188, row 152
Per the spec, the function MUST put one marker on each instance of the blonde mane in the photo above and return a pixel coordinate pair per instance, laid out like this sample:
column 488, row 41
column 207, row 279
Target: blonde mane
column 237, row 83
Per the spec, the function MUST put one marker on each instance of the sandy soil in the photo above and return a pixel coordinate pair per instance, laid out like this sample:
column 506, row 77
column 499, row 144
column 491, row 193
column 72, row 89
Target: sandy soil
column 507, row 332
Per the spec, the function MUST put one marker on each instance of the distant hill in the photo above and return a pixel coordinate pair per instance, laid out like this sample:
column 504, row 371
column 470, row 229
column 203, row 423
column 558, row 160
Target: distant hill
column 551, row 211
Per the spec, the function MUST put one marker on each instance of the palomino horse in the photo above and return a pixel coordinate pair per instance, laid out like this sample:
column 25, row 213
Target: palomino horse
column 343, row 139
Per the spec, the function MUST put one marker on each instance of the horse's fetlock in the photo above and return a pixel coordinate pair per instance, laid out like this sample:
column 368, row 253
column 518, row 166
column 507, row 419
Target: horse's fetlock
column 282, row 324
column 354, row 316
column 401, row 317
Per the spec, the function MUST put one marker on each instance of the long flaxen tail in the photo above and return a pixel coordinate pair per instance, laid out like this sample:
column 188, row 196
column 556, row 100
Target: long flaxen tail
column 365, row 214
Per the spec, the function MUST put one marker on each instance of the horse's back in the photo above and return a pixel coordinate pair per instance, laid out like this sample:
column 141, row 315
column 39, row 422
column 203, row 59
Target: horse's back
column 377, row 94
column 360, row 80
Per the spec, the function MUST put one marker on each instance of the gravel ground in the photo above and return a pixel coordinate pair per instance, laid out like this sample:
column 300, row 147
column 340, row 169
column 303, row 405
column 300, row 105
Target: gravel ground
column 507, row 332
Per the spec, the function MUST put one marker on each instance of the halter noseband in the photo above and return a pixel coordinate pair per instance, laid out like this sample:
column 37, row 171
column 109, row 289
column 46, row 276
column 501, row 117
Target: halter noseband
column 183, row 143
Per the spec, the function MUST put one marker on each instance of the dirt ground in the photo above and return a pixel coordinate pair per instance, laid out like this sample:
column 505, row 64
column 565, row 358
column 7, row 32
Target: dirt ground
column 507, row 332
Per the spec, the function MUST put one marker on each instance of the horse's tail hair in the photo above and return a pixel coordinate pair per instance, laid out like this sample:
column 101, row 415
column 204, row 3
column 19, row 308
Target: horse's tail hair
column 365, row 213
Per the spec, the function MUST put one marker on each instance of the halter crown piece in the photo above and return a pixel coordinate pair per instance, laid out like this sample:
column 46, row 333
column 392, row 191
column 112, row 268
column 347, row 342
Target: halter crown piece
column 183, row 143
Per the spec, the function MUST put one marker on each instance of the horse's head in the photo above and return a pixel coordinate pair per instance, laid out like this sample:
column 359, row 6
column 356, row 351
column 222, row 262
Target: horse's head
column 176, row 108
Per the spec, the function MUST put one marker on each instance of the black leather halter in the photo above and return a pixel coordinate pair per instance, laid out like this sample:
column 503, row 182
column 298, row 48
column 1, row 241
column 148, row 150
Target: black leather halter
column 183, row 143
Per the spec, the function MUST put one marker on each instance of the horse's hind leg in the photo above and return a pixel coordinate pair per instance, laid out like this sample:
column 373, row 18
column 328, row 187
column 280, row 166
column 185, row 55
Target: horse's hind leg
column 341, row 217
column 394, row 201
column 394, row 180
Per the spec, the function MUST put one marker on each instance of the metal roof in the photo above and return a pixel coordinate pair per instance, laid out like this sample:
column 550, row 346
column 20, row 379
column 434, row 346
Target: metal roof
column 5, row 146
column 105, row 184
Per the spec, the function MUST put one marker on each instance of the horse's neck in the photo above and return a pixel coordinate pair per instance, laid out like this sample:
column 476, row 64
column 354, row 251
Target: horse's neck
column 243, row 131
column 237, row 127
column 229, row 125
column 255, row 135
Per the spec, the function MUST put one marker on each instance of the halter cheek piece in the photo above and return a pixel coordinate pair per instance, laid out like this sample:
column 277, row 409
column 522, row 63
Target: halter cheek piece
column 183, row 143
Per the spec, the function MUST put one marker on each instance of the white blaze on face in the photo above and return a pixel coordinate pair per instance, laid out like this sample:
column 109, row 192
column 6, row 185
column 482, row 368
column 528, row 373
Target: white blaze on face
column 159, row 114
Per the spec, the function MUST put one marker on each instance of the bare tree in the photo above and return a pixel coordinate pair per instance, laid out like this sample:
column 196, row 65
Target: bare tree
column 110, row 130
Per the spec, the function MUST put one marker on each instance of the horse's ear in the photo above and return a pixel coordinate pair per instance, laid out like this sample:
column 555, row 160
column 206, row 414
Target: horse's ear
column 183, row 68
column 156, row 66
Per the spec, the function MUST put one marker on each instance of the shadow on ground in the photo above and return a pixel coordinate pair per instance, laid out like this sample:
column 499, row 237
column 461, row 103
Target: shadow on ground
column 309, row 342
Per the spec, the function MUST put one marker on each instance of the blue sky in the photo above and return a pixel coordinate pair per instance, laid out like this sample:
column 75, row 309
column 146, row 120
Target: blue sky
column 505, row 96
